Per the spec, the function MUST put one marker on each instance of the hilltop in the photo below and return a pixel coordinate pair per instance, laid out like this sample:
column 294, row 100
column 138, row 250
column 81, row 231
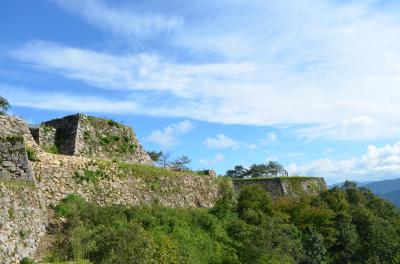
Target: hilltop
column 103, row 162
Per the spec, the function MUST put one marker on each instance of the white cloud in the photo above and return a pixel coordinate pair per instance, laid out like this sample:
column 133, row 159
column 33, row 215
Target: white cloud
column 334, row 66
column 328, row 151
column 121, row 20
column 146, row 72
column 20, row 96
column 222, row 141
column 376, row 164
column 217, row 159
column 168, row 137
column 270, row 138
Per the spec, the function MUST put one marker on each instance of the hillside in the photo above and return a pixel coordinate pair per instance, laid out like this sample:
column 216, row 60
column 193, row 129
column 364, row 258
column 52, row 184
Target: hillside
column 382, row 187
column 388, row 189
column 103, row 163
column 394, row 197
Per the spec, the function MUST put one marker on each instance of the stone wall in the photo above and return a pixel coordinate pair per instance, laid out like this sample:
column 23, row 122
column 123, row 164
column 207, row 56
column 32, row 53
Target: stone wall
column 83, row 135
column 63, row 138
column 13, row 126
column 107, row 182
column 14, row 135
column 107, row 139
column 14, row 162
column 22, row 220
column 291, row 186
column 47, row 139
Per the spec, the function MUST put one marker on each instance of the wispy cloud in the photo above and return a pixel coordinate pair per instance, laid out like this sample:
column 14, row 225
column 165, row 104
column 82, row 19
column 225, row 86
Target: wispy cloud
column 217, row 159
column 168, row 137
column 270, row 138
column 122, row 19
column 376, row 164
column 222, row 141
column 21, row 96
column 335, row 67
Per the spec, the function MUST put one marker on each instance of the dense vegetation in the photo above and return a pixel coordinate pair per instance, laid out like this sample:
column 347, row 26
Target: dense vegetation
column 342, row 225
column 4, row 105
column 271, row 169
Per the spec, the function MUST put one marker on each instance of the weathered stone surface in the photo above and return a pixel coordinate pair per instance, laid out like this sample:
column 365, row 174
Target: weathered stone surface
column 291, row 186
column 56, row 178
column 87, row 136
column 12, row 126
column 27, row 187
column 22, row 220
column 14, row 162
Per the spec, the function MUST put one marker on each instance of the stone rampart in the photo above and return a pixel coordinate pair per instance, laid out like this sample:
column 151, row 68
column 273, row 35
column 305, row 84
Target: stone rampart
column 14, row 162
column 82, row 135
column 23, row 220
column 13, row 126
column 107, row 139
column 281, row 186
column 107, row 182
column 63, row 138
column 14, row 136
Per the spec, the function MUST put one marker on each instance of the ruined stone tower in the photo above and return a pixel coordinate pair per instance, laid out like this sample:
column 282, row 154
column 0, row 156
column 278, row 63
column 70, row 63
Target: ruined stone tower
column 82, row 135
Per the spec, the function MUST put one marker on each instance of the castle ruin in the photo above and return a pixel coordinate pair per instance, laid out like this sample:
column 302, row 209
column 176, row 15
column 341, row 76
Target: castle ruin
column 82, row 135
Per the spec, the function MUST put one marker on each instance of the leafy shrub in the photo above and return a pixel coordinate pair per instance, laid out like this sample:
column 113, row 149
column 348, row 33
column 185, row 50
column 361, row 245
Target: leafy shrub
column 113, row 123
column 343, row 225
column 86, row 135
column 32, row 154
column 27, row 261
column 53, row 149
column 105, row 141
column 89, row 176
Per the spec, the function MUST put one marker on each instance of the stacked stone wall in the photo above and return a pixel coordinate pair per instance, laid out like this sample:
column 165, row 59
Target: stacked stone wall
column 61, row 133
column 13, row 126
column 47, row 138
column 23, row 220
column 14, row 162
column 281, row 186
column 14, row 136
column 87, row 136
column 107, row 139
column 58, row 176
column 272, row 186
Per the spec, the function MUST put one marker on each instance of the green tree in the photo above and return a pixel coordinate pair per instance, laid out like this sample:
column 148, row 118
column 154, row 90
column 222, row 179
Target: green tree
column 238, row 172
column 275, row 169
column 4, row 105
column 272, row 169
column 253, row 203
column 315, row 250
column 224, row 206
column 347, row 243
column 258, row 170
column 164, row 160
column 181, row 163
column 154, row 155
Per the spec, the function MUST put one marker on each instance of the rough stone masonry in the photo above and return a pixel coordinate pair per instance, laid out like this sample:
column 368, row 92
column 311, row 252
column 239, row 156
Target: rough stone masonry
column 87, row 136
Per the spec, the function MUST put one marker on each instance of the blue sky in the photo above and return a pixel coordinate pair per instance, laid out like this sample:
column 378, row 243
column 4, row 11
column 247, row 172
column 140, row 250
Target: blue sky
column 311, row 84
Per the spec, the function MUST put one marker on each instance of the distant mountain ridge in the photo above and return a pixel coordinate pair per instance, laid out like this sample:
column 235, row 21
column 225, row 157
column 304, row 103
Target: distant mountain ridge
column 387, row 189
column 382, row 187
column 394, row 197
